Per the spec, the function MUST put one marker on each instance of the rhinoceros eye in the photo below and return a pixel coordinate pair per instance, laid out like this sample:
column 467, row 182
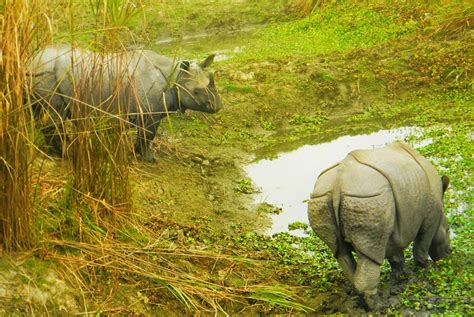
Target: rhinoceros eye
column 199, row 91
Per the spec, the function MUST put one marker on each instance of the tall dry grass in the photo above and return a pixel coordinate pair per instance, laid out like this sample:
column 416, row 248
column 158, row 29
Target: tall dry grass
column 20, row 19
column 100, row 148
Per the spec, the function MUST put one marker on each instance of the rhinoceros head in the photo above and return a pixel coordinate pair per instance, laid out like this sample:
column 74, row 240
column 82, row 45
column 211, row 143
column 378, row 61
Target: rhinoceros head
column 197, row 88
column 440, row 246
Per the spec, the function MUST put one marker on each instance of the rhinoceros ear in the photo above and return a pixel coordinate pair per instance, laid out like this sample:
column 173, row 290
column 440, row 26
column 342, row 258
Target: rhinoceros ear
column 208, row 61
column 445, row 181
column 185, row 65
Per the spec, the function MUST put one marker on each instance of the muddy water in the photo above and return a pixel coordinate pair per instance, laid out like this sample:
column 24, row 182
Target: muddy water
column 224, row 43
column 288, row 180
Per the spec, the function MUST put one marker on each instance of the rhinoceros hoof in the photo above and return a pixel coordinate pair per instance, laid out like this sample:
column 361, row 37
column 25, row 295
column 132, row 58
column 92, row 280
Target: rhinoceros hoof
column 399, row 273
column 55, row 152
column 370, row 300
column 423, row 264
column 148, row 157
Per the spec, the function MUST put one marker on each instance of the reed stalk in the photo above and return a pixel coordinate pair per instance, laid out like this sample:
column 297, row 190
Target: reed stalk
column 16, row 132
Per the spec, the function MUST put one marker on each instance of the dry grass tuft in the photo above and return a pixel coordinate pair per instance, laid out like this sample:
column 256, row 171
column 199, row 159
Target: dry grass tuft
column 303, row 8
column 160, row 272
column 455, row 24
column 19, row 20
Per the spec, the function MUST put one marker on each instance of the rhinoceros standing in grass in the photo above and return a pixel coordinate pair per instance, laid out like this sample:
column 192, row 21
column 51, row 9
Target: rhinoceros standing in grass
column 375, row 203
column 144, row 85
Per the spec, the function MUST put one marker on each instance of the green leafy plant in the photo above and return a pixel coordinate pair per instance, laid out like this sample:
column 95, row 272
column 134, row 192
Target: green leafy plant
column 266, row 124
column 244, row 186
column 269, row 209
column 369, row 112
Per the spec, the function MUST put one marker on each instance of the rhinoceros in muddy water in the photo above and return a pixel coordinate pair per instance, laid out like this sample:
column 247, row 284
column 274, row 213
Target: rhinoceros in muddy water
column 148, row 84
column 375, row 203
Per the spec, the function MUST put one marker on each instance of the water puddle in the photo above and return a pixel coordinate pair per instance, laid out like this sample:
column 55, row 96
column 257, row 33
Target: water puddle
column 222, row 55
column 208, row 34
column 288, row 180
column 225, row 43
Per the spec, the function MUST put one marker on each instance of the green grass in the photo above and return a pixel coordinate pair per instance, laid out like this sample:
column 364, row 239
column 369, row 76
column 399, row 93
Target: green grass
column 245, row 186
column 337, row 28
column 424, row 110
column 232, row 87
column 349, row 25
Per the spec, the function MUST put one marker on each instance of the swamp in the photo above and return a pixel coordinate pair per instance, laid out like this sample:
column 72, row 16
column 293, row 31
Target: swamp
column 217, row 224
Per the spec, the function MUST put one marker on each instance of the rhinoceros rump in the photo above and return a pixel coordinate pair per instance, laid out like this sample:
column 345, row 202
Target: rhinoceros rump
column 144, row 85
column 375, row 203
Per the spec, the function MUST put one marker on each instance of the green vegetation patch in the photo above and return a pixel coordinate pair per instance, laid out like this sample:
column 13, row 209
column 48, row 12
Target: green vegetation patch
column 450, row 281
column 336, row 28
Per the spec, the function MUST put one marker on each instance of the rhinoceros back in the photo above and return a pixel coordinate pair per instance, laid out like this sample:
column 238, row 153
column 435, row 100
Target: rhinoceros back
column 346, row 208
column 142, row 76
column 432, row 176
column 411, row 184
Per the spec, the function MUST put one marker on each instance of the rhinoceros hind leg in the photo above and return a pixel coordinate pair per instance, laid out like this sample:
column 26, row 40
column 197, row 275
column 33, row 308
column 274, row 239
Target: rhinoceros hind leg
column 366, row 280
column 144, row 152
column 397, row 263
column 347, row 262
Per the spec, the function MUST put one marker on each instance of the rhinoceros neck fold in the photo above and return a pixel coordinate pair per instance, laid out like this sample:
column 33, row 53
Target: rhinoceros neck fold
column 174, row 100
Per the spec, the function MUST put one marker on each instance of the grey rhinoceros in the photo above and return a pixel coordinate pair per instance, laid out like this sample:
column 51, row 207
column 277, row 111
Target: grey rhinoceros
column 144, row 84
column 375, row 203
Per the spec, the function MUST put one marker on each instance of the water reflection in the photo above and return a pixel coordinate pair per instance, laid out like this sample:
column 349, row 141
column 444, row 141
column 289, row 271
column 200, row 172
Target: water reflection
column 288, row 180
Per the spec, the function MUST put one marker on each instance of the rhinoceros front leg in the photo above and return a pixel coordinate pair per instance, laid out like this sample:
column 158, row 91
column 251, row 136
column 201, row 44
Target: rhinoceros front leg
column 366, row 280
column 421, row 247
column 146, row 134
column 55, row 139
column 397, row 263
column 422, row 243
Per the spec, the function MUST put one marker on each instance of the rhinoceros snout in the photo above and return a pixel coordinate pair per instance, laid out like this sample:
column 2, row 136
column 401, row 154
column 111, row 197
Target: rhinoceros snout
column 215, row 106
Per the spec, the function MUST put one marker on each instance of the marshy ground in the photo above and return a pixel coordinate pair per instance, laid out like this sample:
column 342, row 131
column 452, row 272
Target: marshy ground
column 195, row 241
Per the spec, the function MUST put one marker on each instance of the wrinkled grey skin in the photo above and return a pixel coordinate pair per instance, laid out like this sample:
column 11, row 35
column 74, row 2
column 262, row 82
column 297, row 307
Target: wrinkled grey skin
column 149, row 85
column 375, row 203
